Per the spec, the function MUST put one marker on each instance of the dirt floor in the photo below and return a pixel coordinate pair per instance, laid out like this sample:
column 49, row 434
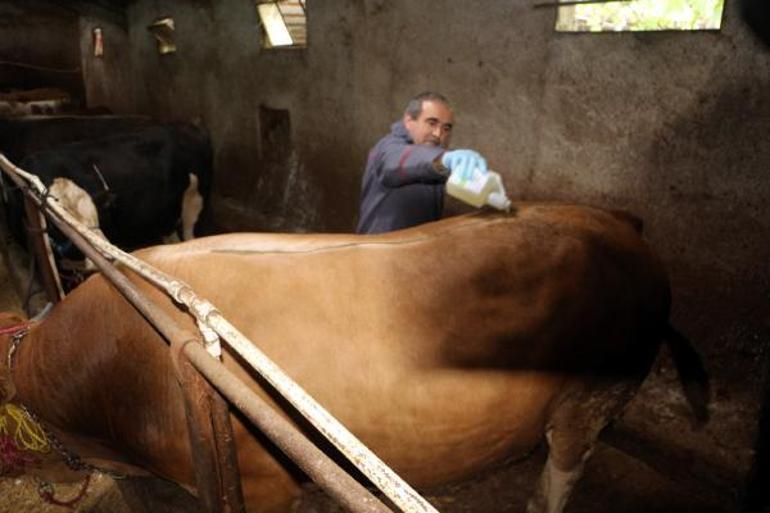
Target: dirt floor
column 613, row 482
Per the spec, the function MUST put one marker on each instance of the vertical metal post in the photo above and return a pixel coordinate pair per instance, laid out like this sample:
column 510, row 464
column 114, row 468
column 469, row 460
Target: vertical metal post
column 210, row 471
column 41, row 249
column 350, row 494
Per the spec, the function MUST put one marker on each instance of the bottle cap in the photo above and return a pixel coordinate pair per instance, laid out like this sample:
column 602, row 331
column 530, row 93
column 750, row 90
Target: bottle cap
column 499, row 201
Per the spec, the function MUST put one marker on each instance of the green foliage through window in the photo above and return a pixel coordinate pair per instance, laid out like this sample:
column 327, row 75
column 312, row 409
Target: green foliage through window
column 638, row 15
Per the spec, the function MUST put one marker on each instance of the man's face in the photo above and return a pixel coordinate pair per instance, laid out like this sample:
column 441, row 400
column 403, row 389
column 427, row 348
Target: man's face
column 434, row 125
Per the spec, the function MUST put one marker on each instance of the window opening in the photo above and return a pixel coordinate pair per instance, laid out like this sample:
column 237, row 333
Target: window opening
column 163, row 30
column 638, row 15
column 284, row 23
column 275, row 134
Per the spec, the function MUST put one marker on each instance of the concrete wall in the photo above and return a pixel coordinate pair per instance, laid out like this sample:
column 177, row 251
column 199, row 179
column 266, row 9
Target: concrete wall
column 109, row 78
column 671, row 126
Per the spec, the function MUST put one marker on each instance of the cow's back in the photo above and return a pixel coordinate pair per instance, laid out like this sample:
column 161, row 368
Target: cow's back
column 551, row 271
column 413, row 338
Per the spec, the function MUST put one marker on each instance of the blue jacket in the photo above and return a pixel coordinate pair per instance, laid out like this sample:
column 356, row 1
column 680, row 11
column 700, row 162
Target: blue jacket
column 401, row 187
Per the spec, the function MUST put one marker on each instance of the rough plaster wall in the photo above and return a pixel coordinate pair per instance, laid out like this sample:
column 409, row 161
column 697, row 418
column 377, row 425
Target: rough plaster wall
column 342, row 93
column 667, row 125
column 108, row 79
column 219, row 76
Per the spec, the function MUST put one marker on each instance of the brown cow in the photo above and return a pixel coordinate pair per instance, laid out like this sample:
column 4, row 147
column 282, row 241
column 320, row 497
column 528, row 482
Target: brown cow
column 444, row 347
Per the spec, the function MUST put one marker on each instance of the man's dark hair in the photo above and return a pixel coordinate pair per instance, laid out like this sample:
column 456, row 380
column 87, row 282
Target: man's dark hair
column 414, row 107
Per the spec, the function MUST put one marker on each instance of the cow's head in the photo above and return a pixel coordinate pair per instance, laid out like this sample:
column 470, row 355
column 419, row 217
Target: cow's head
column 76, row 201
column 80, row 205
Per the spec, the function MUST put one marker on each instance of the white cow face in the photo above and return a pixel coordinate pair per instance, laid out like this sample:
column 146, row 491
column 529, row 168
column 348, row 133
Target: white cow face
column 78, row 203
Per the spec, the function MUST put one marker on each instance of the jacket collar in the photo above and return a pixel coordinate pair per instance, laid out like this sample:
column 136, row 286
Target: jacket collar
column 398, row 129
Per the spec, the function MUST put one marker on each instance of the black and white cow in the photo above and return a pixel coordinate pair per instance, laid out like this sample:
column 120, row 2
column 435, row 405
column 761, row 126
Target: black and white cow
column 138, row 187
column 22, row 136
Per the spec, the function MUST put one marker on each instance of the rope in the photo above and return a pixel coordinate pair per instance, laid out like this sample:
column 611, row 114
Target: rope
column 13, row 460
column 18, row 446
column 14, row 328
column 47, row 493
column 28, row 434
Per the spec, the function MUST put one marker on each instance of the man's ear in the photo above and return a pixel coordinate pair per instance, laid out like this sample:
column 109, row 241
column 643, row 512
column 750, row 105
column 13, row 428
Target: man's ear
column 408, row 122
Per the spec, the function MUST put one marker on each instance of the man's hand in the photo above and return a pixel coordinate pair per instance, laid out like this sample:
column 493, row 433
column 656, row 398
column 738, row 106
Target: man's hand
column 464, row 162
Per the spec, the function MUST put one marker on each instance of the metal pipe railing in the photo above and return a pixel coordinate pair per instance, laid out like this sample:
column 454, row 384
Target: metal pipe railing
column 319, row 467
column 368, row 463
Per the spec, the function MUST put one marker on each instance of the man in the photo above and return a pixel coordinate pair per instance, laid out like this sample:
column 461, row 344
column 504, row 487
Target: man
column 403, row 184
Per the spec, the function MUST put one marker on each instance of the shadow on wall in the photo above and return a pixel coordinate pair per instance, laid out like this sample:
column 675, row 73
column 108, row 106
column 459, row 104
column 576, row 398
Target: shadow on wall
column 714, row 165
column 289, row 184
column 756, row 14
column 711, row 167
column 263, row 185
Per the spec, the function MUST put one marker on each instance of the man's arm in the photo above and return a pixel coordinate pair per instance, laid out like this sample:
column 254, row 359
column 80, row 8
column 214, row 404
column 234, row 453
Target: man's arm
column 398, row 163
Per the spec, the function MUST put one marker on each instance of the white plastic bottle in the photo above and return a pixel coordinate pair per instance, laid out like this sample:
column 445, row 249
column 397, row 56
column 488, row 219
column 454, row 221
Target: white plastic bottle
column 480, row 189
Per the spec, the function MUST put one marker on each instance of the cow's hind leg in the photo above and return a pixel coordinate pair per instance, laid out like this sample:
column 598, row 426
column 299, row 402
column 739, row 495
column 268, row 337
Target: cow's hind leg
column 576, row 419
column 192, row 206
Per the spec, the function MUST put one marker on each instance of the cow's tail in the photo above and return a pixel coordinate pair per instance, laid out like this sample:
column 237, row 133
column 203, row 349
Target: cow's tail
column 692, row 373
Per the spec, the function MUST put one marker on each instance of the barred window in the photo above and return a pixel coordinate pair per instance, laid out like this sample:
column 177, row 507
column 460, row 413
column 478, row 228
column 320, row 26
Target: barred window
column 284, row 23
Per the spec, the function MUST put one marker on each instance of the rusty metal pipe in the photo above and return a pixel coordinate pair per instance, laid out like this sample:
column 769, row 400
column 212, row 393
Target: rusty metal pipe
column 38, row 244
column 350, row 494
column 211, row 473
column 232, row 492
column 198, row 412
column 326, row 472
column 395, row 488
column 319, row 467
column 41, row 251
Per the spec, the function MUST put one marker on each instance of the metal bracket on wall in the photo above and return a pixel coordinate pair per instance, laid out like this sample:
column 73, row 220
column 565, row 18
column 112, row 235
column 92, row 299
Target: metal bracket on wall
column 163, row 30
